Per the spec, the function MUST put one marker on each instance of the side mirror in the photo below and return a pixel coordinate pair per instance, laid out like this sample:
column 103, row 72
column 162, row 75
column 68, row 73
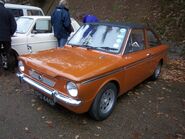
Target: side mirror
column 34, row 32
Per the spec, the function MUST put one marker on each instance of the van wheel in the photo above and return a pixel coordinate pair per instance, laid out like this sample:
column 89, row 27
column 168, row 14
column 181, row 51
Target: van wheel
column 104, row 102
column 157, row 72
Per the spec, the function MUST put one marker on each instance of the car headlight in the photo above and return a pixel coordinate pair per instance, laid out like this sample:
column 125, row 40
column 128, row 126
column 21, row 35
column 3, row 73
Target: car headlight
column 72, row 89
column 21, row 66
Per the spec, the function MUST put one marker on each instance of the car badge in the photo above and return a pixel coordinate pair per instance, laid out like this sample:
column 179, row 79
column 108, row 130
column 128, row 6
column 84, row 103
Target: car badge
column 40, row 77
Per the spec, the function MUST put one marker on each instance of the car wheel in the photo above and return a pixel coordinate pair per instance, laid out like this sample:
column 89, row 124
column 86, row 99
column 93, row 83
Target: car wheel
column 157, row 72
column 104, row 102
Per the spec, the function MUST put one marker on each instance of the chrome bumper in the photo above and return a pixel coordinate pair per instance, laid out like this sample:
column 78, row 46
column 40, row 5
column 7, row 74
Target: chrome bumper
column 57, row 97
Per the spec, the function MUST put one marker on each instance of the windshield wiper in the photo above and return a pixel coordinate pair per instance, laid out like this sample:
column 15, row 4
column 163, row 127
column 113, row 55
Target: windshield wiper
column 108, row 48
column 88, row 47
column 82, row 45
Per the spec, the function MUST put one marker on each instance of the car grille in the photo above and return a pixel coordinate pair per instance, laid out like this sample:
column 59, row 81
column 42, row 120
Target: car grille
column 41, row 78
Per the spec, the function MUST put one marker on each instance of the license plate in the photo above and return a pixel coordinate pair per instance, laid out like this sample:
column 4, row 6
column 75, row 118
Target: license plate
column 45, row 98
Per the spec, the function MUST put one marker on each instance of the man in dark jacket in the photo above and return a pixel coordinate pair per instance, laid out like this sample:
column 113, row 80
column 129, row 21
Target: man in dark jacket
column 61, row 22
column 7, row 29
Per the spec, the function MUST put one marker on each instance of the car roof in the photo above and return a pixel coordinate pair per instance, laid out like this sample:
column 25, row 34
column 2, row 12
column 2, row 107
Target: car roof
column 35, row 17
column 41, row 17
column 18, row 6
column 124, row 25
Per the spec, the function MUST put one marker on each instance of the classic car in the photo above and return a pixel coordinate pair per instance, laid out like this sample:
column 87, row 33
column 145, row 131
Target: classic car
column 33, row 34
column 99, row 63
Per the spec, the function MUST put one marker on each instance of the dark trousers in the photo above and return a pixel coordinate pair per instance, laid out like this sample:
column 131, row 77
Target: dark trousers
column 5, row 47
column 5, row 53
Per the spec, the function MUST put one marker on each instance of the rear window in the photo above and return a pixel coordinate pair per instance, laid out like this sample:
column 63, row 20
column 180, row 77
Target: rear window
column 16, row 12
column 34, row 12
column 152, row 39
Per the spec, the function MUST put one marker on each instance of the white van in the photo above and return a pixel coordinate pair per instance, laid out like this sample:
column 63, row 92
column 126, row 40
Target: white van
column 24, row 10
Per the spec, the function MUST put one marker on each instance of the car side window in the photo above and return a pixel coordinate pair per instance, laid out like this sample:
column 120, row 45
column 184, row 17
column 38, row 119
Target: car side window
column 16, row 12
column 136, row 41
column 152, row 39
column 42, row 26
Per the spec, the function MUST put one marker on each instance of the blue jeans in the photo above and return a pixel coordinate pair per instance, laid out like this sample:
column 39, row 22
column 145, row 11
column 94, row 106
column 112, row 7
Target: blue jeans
column 61, row 42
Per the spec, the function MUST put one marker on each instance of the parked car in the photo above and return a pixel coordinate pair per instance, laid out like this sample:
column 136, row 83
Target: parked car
column 24, row 10
column 33, row 34
column 100, row 62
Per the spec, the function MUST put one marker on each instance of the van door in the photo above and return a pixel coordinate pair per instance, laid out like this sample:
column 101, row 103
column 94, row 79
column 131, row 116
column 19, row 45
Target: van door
column 41, row 37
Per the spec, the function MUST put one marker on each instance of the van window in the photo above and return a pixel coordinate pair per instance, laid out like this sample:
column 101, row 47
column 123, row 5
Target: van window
column 16, row 12
column 34, row 12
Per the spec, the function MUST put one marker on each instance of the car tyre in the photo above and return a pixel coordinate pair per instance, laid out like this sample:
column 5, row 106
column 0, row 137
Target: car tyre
column 157, row 72
column 104, row 102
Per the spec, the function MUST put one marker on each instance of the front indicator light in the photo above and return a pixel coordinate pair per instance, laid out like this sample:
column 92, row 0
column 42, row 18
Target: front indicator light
column 21, row 66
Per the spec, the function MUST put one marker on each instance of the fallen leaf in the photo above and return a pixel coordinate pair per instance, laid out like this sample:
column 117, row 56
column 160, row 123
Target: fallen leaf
column 148, row 86
column 84, row 122
column 33, row 100
column 77, row 136
column 60, row 136
column 98, row 127
column 160, row 98
column 26, row 129
column 97, row 135
column 43, row 117
column 39, row 108
column 49, row 123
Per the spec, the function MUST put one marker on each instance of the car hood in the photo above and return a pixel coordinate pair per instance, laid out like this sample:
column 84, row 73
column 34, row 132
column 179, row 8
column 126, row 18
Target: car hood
column 18, row 35
column 73, row 63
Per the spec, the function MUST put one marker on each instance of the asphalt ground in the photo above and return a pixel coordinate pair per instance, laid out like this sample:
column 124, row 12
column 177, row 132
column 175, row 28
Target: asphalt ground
column 152, row 110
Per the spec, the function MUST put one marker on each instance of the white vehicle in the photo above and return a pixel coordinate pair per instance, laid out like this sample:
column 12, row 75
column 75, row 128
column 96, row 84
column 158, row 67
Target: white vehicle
column 24, row 10
column 35, row 33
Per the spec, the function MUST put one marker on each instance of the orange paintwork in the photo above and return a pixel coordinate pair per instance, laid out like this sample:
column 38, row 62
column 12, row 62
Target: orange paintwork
column 92, row 69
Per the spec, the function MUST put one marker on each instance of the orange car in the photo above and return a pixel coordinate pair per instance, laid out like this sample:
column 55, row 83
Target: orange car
column 99, row 63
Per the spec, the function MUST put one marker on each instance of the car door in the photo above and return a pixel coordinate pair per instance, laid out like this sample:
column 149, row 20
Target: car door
column 137, row 60
column 153, row 45
column 41, row 36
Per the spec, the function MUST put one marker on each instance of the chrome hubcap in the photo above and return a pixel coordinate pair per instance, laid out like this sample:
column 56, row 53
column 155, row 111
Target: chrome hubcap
column 107, row 101
column 158, row 70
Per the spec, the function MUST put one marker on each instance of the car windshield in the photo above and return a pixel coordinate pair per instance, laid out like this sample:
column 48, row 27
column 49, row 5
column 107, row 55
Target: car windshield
column 23, row 25
column 100, row 37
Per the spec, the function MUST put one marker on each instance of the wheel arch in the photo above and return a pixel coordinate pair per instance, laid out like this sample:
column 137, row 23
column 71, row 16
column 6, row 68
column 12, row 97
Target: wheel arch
column 161, row 61
column 15, row 54
column 116, row 83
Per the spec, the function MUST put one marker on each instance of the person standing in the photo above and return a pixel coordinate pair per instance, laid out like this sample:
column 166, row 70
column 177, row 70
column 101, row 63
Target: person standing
column 8, row 27
column 61, row 22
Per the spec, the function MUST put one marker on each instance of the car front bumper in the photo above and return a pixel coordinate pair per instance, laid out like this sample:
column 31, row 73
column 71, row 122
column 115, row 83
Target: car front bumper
column 56, row 95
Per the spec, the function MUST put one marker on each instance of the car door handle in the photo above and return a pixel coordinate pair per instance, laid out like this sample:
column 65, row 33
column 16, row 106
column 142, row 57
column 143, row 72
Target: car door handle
column 149, row 54
column 29, row 49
